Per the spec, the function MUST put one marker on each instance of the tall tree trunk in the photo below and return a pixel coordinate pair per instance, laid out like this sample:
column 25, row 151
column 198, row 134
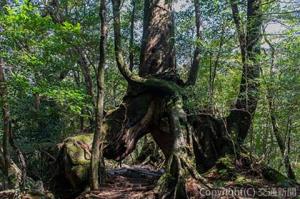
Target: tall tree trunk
column 21, row 159
column 157, row 50
column 280, row 140
column 15, row 176
column 239, row 28
column 131, row 42
column 88, row 81
column 157, row 61
column 270, row 97
column 6, row 121
column 97, row 160
column 193, row 74
column 250, row 50
column 84, row 65
column 248, row 96
column 213, row 71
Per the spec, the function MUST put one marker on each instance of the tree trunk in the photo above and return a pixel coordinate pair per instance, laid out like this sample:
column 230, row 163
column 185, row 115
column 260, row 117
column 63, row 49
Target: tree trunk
column 250, row 49
column 239, row 28
column 14, row 174
column 97, row 160
column 157, row 50
column 88, row 81
column 270, row 97
column 154, row 114
column 213, row 71
column 193, row 75
column 21, row 159
column 131, row 42
column 6, row 118
column 84, row 65
column 215, row 137
column 280, row 141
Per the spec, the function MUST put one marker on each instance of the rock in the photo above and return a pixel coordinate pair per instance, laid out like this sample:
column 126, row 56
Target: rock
column 75, row 156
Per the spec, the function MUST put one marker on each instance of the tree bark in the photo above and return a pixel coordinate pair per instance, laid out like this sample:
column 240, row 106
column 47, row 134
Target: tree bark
column 213, row 70
column 193, row 74
column 239, row 28
column 157, row 50
column 6, row 121
column 131, row 42
column 248, row 96
column 21, row 159
column 84, row 65
column 280, row 141
column 250, row 49
column 97, row 160
column 270, row 97
column 166, row 83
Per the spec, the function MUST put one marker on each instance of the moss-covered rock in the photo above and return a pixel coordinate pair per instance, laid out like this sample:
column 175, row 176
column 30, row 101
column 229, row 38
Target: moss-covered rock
column 78, row 148
column 76, row 157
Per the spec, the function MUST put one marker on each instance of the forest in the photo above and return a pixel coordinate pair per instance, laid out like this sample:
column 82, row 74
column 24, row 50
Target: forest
column 156, row 99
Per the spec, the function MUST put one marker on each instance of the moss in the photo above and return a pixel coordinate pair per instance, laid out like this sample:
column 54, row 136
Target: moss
column 164, row 178
column 86, row 138
column 225, row 168
column 165, row 182
column 81, row 172
column 243, row 180
column 168, row 87
column 226, row 162
column 74, row 150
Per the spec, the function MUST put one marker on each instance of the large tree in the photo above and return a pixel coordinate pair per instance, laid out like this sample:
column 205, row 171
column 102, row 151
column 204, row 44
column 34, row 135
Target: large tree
column 157, row 92
column 153, row 101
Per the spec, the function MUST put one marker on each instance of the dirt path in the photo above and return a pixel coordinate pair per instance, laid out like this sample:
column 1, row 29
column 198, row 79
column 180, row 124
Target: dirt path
column 127, row 183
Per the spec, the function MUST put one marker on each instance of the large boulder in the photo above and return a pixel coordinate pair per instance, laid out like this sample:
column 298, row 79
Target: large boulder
column 74, row 159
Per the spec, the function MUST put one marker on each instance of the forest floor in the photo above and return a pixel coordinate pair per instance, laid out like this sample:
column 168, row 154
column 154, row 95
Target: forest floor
column 138, row 182
column 228, row 179
column 127, row 182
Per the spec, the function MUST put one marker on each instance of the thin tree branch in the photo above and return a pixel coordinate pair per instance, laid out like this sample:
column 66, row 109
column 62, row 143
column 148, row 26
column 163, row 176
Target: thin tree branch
column 193, row 74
